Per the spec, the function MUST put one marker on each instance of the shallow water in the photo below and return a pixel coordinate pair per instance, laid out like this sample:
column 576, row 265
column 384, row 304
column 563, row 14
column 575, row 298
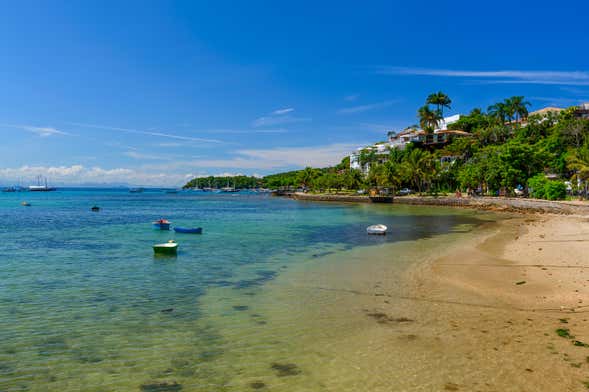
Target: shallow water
column 84, row 305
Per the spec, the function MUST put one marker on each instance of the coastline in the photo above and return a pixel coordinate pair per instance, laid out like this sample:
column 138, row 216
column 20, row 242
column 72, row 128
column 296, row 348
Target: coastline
column 504, row 204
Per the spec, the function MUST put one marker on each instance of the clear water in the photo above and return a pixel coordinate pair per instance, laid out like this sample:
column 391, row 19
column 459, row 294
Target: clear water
column 85, row 305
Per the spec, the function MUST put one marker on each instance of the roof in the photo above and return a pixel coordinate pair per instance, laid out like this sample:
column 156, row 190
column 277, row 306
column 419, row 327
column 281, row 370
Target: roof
column 453, row 132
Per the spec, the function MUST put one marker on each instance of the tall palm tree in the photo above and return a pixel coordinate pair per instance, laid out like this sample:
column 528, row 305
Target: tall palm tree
column 441, row 100
column 415, row 166
column 428, row 119
column 518, row 106
column 499, row 111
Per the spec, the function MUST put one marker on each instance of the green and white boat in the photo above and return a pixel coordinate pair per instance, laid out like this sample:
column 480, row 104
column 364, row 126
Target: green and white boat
column 168, row 248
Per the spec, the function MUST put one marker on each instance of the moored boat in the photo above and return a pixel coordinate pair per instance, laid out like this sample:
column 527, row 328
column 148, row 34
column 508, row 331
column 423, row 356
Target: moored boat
column 162, row 224
column 195, row 230
column 25, row 204
column 376, row 229
column 168, row 248
column 136, row 190
column 41, row 187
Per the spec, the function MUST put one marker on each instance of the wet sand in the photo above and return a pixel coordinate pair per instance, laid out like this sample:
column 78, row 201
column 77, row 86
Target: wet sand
column 448, row 313
column 474, row 310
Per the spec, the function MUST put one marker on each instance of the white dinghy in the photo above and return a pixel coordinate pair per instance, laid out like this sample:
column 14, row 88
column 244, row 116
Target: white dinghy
column 376, row 229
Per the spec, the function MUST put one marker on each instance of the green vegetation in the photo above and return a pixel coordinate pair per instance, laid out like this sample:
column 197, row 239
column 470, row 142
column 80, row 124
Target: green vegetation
column 241, row 182
column 564, row 333
column 503, row 151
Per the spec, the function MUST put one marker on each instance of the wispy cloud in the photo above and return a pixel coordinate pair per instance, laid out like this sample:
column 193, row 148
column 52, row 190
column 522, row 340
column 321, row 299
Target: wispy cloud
column 367, row 107
column 146, row 156
column 558, row 101
column 351, row 98
column 575, row 78
column 278, row 117
column 245, row 131
column 147, row 133
column 280, row 112
column 269, row 158
column 41, row 131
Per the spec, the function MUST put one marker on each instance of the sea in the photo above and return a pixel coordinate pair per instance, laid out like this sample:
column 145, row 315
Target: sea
column 85, row 305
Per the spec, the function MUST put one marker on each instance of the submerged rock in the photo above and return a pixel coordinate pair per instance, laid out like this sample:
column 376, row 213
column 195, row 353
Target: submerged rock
column 161, row 387
column 383, row 318
column 286, row 369
column 257, row 385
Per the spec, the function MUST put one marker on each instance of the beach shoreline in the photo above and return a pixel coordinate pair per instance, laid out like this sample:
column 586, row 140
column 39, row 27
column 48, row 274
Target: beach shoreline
column 502, row 307
column 503, row 204
column 522, row 287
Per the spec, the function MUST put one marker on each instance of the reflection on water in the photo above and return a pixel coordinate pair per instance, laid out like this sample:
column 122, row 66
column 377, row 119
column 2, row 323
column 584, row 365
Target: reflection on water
column 84, row 304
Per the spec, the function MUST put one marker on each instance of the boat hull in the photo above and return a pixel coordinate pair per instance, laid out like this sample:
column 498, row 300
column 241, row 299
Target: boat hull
column 165, row 249
column 197, row 230
column 162, row 226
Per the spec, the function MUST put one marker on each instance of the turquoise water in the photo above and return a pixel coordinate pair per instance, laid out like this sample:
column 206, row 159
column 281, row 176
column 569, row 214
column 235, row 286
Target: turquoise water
column 84, row 305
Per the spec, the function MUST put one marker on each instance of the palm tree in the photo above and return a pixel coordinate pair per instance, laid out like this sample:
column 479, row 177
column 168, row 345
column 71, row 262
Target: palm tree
column 307, row 176
column 518, row 106
column 428, row 119
column 392, row 173
column 441, row 101
column 415, row 166
column 578, row 160
column 499, row 111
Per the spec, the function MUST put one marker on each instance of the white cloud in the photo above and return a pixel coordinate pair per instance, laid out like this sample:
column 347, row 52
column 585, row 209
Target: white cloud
column 148, row 133
column 41, row 131
column 269, row 159
column 280, row 112
column 266, row 121
column 579, row 78
column 277, row 117
column 78, row 174
column 367, row 107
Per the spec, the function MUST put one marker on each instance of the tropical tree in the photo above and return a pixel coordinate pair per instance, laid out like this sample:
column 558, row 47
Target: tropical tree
column 354, row 179
column 578, row 160
column 428, row 119
column 392, row 175
column 307, row 176
column 499, row 111
column 518, row 106
column 415, row 166
column 441, row 101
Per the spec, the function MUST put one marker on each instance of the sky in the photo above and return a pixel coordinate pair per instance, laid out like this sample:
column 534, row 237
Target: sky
column 155, row 93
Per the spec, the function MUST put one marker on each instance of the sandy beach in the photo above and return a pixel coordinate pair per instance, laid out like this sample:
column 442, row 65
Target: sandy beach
column 478, row 311
column 506, row 294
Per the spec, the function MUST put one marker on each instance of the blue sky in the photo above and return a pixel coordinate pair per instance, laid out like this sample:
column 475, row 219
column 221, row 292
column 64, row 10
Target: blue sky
column 154, row 93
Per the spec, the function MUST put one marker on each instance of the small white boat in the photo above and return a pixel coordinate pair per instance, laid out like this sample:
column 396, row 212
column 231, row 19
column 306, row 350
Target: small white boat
column 168, row 248
column 376, row 229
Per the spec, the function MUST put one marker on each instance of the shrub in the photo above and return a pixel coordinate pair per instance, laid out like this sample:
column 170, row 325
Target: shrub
column 542, row 188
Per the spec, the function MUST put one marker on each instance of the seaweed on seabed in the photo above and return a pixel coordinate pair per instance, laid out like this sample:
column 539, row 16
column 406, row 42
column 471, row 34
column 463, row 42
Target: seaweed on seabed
column 286, row 369
column 161, row 387
column 257, row 385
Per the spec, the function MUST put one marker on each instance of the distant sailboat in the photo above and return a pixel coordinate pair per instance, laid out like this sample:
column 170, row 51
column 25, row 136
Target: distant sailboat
column 40, row 187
